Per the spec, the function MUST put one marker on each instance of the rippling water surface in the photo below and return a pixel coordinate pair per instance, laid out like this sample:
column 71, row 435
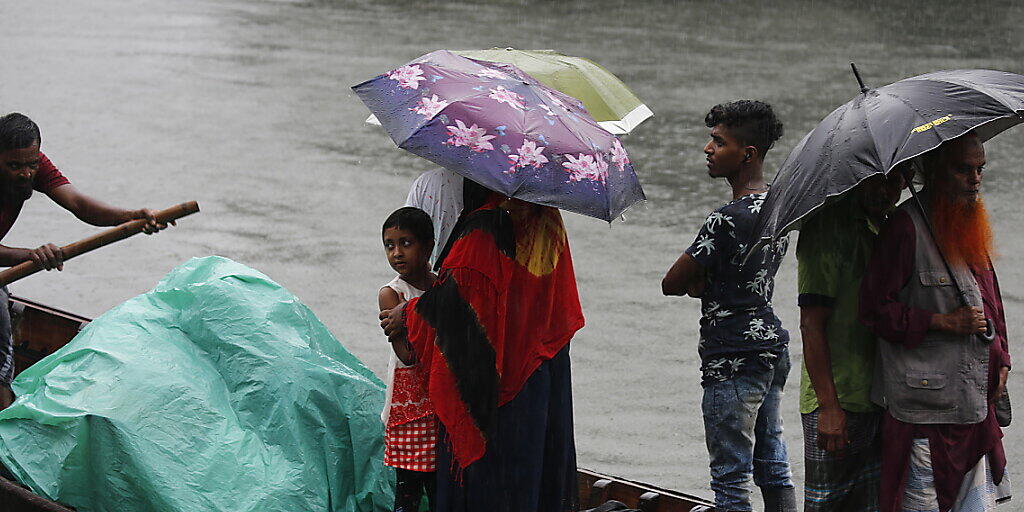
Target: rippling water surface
column 246, row 107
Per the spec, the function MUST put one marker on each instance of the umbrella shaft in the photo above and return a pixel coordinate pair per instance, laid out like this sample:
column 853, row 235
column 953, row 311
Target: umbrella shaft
column 989, row 326
column 931, row 234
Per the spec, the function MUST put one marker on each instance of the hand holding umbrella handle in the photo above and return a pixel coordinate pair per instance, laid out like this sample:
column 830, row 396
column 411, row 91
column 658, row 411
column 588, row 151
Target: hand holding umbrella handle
column 990, row 331
column 109, row 236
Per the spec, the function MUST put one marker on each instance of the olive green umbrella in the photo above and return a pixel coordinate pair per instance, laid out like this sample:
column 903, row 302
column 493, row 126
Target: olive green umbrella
column 606, row 98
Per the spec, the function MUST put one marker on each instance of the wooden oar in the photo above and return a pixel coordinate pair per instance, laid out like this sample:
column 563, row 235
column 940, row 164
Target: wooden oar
column 100, row 239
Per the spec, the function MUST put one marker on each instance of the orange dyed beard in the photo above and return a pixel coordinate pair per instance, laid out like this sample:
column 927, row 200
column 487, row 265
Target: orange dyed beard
column 962, row 230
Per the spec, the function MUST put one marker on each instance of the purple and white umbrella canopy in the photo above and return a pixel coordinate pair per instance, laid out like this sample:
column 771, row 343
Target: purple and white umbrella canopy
column 499, row 127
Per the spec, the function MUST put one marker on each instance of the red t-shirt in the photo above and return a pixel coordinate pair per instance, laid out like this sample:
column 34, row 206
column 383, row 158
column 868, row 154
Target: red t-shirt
column 47, row 178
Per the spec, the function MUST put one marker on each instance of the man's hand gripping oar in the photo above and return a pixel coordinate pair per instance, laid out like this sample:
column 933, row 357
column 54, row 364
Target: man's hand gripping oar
column 49, row 256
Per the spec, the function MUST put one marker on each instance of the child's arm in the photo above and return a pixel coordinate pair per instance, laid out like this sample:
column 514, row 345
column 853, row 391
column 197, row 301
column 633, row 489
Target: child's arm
column 388, row 298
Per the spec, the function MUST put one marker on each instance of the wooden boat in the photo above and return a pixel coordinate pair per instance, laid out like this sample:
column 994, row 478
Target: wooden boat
column 39, row 330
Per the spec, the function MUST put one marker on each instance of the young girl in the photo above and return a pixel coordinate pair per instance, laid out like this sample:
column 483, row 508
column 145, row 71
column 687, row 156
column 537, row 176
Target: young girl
column 410, row 424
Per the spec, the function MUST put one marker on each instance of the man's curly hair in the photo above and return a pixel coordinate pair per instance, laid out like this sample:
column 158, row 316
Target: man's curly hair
column 751, row 122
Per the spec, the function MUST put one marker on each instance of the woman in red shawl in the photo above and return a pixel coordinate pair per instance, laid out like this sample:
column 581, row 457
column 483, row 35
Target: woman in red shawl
column 492, row 336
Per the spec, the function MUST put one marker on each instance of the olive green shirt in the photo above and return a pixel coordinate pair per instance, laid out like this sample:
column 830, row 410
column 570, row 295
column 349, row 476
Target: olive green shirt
column 832, row 252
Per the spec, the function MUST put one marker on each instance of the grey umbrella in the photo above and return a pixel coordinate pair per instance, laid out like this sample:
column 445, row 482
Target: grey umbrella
column 881, row 128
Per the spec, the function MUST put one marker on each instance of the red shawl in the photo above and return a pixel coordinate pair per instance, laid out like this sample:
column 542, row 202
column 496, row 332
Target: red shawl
column 504, row 302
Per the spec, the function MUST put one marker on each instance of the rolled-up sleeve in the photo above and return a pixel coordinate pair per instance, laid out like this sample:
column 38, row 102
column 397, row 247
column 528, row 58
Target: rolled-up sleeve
column 48, row 177
column 817, row 268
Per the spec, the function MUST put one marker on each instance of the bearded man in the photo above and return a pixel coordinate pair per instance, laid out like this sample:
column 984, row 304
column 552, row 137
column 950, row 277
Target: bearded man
column 937, row 375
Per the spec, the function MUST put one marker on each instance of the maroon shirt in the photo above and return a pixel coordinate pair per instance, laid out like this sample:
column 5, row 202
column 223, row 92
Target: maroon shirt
column 955, row 449
column 47, row 178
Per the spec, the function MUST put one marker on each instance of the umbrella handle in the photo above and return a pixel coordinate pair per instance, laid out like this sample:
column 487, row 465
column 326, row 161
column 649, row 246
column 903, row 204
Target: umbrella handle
column 990, row 332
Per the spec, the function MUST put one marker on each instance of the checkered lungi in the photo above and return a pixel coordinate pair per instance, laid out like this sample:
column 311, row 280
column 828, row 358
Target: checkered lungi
column 846, row 481
column 412, row 445
column 978, row 492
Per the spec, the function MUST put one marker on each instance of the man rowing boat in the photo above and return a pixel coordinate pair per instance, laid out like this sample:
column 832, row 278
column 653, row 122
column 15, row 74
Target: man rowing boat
column 24, row 168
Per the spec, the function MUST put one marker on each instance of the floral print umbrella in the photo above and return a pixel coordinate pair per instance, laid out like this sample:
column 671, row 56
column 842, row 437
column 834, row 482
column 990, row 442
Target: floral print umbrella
column 499, row 127
column 606, row 98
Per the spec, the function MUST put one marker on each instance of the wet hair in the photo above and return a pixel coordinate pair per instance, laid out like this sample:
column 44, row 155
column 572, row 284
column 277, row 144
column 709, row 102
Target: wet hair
column 413, row 220
column 751, row 122
column 17, row 131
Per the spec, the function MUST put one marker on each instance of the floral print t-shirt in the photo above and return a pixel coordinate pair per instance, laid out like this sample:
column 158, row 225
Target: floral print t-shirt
column 739, row 332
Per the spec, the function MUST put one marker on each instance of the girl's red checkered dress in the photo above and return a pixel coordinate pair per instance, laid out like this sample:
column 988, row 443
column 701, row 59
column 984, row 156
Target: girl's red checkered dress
column 411, row 432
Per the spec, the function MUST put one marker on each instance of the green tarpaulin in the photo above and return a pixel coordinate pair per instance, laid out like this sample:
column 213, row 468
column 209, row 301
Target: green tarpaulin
column 216, row 391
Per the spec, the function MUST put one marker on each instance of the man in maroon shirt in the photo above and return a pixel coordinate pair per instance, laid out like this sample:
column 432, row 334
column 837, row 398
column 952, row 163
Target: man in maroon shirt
column 939, row 376
column 23, row 169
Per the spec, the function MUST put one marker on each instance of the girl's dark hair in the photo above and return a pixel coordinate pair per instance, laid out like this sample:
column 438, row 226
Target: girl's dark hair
column 752, row 122
column 413, row 220
column 17, row 131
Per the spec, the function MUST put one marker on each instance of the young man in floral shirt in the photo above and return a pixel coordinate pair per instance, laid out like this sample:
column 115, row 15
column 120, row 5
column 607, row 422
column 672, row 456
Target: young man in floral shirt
column 743, row 347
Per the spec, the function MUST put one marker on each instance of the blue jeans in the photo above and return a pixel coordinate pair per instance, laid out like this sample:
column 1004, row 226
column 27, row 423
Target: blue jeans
column 743, row 430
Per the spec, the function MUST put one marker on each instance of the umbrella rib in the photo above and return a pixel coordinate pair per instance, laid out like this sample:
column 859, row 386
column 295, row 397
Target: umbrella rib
column 788, row 226
column 981, row 88
column 828, row 141
column 921, row 117
column 874, row 140
column 442, row 112
column 522, row 178
column 530, row 54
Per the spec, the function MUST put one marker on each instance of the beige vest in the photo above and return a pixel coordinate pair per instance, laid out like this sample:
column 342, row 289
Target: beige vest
column 944, row 379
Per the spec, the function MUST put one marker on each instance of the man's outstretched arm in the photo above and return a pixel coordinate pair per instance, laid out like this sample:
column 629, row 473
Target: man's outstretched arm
column 832, row 433
column 98, row 213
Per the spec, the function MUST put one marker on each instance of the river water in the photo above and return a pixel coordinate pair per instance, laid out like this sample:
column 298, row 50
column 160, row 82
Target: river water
column 246, row 107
